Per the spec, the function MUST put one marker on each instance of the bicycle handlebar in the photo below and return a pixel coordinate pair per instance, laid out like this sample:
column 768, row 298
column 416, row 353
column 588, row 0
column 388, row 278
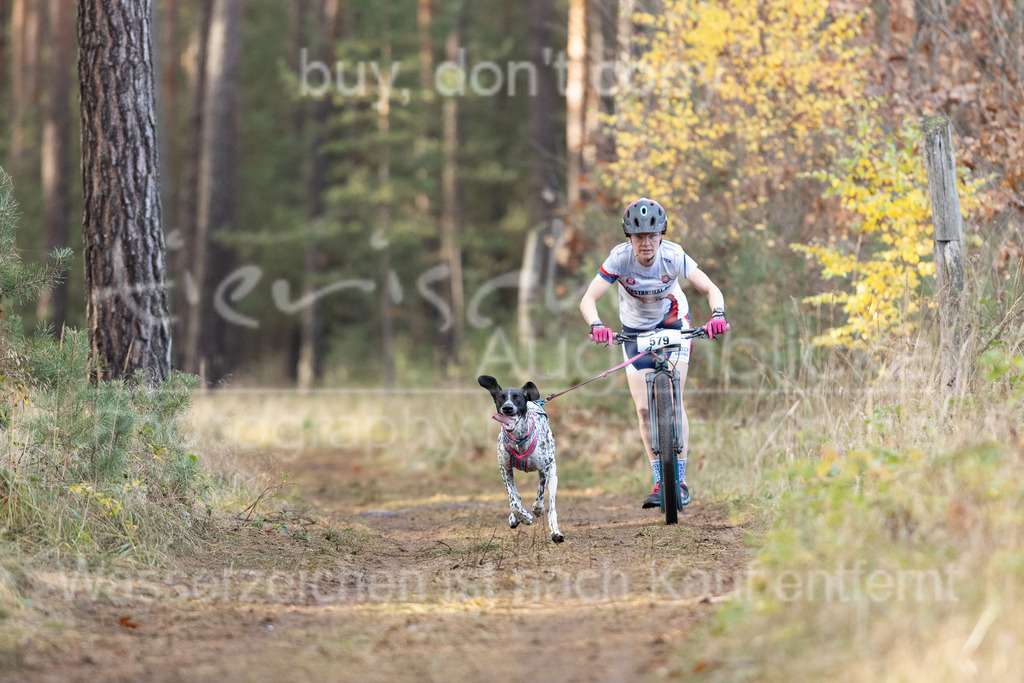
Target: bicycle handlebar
column 691, row 333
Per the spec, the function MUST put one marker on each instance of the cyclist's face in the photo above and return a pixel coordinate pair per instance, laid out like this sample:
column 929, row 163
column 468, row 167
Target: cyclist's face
column 645, row 246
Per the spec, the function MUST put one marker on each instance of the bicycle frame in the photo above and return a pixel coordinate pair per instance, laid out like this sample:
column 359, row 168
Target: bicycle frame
column 661, row 366
column 661, row 349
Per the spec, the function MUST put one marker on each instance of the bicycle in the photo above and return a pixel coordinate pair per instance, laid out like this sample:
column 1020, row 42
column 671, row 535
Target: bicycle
column 664, row 400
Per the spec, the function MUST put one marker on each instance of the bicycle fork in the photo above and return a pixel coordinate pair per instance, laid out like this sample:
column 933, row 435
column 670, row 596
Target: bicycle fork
column 677, row 421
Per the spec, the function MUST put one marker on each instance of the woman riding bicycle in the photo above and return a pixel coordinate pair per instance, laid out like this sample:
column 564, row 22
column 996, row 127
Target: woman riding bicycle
column 647, row 270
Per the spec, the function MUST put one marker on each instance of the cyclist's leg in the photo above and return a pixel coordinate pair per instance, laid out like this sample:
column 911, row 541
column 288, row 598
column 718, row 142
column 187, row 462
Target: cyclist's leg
column 684, row 435
column 638, row 388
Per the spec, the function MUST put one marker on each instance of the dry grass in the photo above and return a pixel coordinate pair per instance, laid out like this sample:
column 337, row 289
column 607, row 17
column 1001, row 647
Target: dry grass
column 411, row 556
column 886, row 508
column 261, row 435
column 895, row 551
column 894, row 547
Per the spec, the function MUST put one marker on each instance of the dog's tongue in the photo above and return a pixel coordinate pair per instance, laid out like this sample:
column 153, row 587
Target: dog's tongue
column 503, row 419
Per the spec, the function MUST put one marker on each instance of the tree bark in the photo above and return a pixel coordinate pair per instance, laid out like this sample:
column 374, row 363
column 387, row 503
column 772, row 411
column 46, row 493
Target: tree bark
column 543, row 117
column 624, row 39
column 592, row 140
column 25, row 28
column 424, row 17
column 56, row 152
column 169, row 58
column 543, row 184
column 211, row 340
column 309, row 366
column 298, row 18
column 575, row 96
column 183, row 236
column 425, row 10
column 5, row 15
column 624, row 30
column 451, row 251
column 384, row 227
column 126, row 296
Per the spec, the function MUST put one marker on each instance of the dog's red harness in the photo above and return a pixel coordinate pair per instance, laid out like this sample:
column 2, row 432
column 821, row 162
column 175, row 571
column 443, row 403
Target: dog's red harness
column 519, row 450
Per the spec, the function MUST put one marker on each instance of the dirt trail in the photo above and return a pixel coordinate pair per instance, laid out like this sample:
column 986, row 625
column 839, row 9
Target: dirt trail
column 421, row 584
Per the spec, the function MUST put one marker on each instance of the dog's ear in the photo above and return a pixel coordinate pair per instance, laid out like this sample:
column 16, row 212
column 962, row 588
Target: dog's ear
column 489, row 383
column 531, row 391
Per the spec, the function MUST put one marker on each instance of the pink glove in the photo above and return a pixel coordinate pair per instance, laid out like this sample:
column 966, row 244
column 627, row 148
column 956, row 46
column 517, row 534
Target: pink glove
column 601, row 334
column 717, row 324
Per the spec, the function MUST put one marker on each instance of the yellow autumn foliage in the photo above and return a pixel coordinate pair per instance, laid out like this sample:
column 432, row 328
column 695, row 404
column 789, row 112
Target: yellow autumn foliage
column 882, row 182
column 738, row 97
column 727, row 89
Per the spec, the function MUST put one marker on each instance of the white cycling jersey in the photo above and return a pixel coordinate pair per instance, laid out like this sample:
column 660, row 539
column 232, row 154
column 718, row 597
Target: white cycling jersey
column 649, row 296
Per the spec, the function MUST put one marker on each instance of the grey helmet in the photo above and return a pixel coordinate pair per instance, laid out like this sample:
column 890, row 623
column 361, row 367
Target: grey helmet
column 644, row 216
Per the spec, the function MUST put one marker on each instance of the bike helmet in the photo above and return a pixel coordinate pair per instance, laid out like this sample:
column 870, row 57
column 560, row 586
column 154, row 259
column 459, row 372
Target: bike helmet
column 644, row 216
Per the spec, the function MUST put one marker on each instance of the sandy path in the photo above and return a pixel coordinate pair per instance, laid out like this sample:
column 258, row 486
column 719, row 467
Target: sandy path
column 407, row 586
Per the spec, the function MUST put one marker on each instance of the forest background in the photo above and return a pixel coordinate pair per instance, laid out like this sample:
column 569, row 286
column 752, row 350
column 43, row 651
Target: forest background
column 342, row 181
column 371, row 198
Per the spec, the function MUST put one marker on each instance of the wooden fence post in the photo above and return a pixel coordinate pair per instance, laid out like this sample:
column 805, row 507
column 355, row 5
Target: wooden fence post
column 950, row 252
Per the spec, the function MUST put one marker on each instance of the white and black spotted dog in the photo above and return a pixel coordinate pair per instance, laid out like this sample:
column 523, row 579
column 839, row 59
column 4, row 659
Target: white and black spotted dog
column 525, row 443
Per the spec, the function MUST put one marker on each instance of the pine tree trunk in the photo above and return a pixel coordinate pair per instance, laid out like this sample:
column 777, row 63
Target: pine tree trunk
column 126, row 296
column 451, row 252
column 575, row 95
column 169, row 58
column 211, row 340
column 543, row 188
column 311, row 331
column 56, row 152
column 624, row 45
column 25, row 28
column 298, row 19
column 5, row 15
column 543, row 117
column 427, row 132
column 592, row 140
column 384, row 227
column 624, row 38
column 424, row 17
column 187, row 294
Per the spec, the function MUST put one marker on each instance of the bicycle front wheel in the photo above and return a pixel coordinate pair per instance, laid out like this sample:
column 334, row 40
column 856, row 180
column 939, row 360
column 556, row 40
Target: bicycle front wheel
column 666, row 447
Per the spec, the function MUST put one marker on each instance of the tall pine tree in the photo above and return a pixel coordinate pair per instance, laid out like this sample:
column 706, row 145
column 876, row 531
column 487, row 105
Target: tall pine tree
column 125, row 254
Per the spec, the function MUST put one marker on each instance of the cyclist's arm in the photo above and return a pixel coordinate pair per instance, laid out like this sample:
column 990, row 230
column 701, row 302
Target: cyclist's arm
column 588, row 305
column 703, row 284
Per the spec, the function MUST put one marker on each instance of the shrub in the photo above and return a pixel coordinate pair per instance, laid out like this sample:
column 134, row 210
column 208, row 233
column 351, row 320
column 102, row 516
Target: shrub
column 85, row 466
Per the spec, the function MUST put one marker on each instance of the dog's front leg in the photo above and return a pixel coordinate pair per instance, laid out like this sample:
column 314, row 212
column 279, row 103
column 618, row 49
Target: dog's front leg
column 538, row 505
column 515, row 502
column 556, row 535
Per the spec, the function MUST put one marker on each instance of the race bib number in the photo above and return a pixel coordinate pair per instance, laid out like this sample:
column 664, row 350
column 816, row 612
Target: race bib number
column 658, row 339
